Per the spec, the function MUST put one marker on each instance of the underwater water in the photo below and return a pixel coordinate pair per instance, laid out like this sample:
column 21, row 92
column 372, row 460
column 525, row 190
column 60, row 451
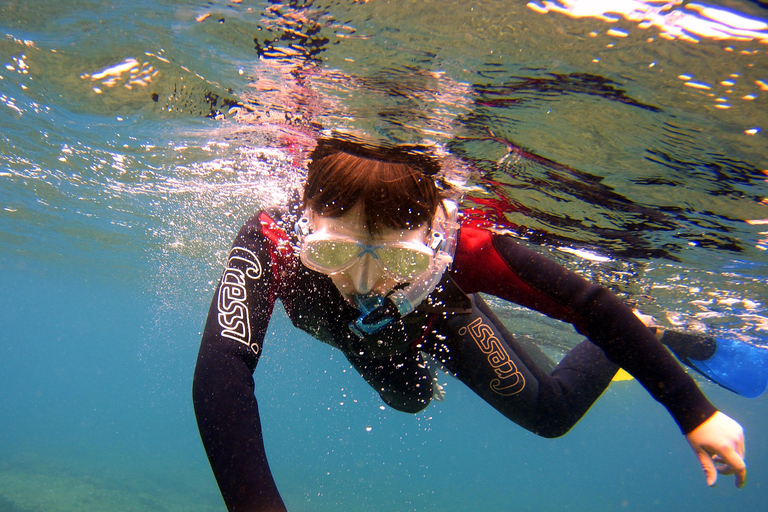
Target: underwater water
column 625, row 139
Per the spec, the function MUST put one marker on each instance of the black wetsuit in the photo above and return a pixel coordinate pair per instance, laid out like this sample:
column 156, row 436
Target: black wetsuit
column 453, row 326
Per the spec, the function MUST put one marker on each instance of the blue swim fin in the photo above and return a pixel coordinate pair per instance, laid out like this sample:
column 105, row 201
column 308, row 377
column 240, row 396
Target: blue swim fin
column 734, row 365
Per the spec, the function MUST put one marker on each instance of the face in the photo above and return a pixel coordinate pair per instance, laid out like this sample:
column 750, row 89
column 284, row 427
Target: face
column 365, row 276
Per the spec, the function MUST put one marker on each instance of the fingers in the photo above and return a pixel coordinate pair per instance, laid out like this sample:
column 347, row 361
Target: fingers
column 741, row 478
column 728, row 463
column 735, row 465
column 708, row 465
column 736, row 462
column 722, row 467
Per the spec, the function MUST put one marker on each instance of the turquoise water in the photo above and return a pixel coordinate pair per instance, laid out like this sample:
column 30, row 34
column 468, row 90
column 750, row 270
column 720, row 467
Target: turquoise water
column 136, row 137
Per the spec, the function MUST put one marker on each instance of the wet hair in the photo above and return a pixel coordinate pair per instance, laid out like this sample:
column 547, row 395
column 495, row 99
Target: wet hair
column 395, row 185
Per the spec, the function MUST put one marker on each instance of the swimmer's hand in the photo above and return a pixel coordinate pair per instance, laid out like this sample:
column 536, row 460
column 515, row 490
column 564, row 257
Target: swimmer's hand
column 719, row 445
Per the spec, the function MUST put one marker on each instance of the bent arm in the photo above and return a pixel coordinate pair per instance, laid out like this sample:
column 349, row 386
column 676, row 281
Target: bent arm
column 225, row 406
column 517, row 274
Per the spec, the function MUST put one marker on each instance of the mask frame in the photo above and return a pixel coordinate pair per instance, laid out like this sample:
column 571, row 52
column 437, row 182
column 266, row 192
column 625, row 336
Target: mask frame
column 441, row 238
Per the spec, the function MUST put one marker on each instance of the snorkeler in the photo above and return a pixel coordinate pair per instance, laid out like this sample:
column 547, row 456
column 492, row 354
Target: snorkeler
column 375, row 262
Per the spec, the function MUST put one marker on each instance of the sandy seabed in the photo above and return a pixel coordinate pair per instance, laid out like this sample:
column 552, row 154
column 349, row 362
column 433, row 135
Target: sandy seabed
column 22, row 491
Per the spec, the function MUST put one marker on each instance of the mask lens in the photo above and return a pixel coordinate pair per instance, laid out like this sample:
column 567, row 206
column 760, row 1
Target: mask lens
column 403, row 263
column 330, row 254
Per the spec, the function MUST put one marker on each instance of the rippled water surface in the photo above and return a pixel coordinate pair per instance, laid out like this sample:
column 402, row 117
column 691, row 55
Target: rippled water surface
column 625, row 139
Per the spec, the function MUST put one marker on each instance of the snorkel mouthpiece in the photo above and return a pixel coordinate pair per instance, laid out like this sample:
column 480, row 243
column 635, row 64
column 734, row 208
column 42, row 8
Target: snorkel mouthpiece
column 375, row 314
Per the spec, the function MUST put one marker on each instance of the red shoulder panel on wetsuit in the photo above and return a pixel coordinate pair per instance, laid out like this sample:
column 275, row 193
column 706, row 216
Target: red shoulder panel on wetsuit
column 280, row 248
column 276, row 235
column 478, row 267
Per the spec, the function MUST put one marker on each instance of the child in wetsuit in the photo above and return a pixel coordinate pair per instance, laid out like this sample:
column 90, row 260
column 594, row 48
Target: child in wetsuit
column 375, row 263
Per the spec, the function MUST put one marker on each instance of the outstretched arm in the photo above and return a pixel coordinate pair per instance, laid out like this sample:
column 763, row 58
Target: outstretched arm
column 719, row 441
column 517, row 274
column 225, row 406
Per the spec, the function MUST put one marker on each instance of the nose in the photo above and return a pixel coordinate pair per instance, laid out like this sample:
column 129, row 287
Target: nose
column 364, row 274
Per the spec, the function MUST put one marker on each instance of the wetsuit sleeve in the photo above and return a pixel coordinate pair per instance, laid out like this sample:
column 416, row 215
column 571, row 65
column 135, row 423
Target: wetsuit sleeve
column 223, row 389
column 497, row 265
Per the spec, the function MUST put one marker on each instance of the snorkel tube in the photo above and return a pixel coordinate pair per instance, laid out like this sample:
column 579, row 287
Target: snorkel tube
column 443, row 242
column 377, row 312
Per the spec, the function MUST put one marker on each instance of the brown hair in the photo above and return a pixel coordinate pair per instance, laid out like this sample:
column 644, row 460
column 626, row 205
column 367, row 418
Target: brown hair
column 394, row 184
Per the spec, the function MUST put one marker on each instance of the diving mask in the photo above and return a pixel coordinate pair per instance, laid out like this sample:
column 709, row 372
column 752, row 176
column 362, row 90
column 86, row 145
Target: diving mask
column 418, row 257
column 402, row 260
